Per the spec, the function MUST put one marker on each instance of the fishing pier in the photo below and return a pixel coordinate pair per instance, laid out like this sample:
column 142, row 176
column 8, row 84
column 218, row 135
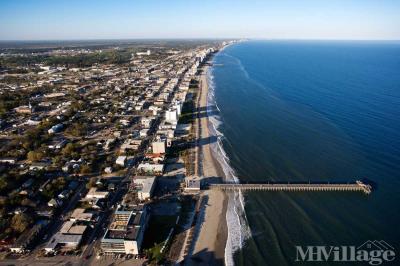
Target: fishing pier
column 357, row 186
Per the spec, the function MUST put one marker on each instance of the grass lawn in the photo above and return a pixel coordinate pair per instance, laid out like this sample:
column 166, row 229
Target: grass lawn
column 158, row 229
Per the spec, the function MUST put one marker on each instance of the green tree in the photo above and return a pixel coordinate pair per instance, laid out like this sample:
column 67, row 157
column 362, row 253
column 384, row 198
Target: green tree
column 77, row 130
column 91, row 183
column 86, row 169
column 154, row 254
column 20, row 222
column 3, row 182
column 70, row 149
column 57, row 160
column 33, row 138
column 27, row 202
column 35, row 156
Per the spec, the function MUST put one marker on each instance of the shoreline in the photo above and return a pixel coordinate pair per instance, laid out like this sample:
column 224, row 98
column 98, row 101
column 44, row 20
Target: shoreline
column 210, row 245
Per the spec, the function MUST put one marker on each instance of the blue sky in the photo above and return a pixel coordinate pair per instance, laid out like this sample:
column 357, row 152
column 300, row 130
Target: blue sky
column 280, row 19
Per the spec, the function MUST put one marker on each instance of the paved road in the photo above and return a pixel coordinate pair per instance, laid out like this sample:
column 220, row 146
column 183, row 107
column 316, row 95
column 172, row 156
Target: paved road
column 98, row 232
column 48, row 261
column 57, row 223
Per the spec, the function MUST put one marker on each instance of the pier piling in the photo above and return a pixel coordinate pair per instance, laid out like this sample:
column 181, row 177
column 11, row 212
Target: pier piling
column 357, row 186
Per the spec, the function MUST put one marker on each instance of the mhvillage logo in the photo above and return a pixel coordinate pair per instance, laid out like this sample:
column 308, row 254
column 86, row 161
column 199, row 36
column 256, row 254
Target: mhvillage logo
column 373, row 252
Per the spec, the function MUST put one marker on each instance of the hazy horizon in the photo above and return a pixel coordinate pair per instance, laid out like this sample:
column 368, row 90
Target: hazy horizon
column 199, row 39
column 284, row 20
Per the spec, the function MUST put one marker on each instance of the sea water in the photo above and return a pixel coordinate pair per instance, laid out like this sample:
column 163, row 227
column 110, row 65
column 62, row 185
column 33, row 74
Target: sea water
column 307, row 111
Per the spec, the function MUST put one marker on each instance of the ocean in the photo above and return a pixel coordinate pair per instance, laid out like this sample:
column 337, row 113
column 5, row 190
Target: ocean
column 307, row 111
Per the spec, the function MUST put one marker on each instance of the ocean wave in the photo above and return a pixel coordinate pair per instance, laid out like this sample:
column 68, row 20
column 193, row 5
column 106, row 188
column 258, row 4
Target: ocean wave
column 240, row 65
column 238, row 228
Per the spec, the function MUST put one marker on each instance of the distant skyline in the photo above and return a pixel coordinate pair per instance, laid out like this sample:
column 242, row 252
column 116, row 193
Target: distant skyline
column 144, row 19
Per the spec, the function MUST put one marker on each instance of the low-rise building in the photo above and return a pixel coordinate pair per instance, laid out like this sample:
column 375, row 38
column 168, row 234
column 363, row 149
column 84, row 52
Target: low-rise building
column 55, row 203
column 55, row 128
column 144, row 132
column 69, row 242
column 94, row 193
column 68, row 238
column 125, row 233
column 159, row 146
column 24, row 109
column 131, row 144
column 39, row 166
column 171, row 116
column 8, row 160
column 81, row 215
column 26, row 239
column 150, row 168
column 57, row 144
column 121, row 160
column 192, row 184
column 146, row 121
column 144, row 186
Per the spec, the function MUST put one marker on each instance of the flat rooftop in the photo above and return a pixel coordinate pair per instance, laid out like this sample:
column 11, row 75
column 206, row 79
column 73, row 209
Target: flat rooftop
column 120, row 229
column 144, row 184
column 131, row 233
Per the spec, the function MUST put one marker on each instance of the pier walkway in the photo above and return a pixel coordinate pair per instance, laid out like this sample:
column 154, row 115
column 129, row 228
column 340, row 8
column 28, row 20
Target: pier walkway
column 357, row 186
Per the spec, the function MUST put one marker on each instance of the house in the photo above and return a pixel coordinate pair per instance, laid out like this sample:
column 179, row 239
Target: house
column 28, row 237
column 55, row 128
column 8, row 160
column 72, row 165
column 39, row 166
column 20, row 209
column 111, row 187
column 131, row 144
column 45, row 211
column 146, row 121
column 134, row 134
column 121, row 160
column 108, row 170
column 95, row 203
column 154, row 109
column 144, row 132
column 24, row 109
column 67, row 167
column 159, row 102
column 57, row 144
column 155, row 157
column 117, row 134
column 55, row 203
column 124, row 122
column 109, row 143
column 64, row 194
column 28, row 183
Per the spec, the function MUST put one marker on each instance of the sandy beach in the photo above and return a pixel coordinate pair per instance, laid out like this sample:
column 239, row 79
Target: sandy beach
column 210, row 245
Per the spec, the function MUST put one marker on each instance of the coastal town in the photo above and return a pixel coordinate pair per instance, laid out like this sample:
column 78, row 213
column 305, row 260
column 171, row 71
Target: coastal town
column 199, row 133
column 105, row 155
